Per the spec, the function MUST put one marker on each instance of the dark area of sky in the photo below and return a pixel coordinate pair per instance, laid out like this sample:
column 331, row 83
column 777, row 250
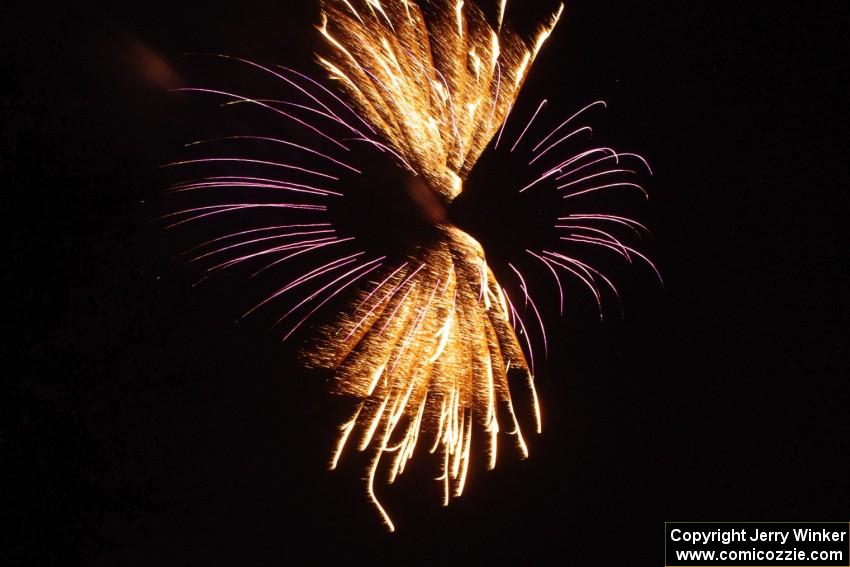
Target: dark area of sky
column 141, row 426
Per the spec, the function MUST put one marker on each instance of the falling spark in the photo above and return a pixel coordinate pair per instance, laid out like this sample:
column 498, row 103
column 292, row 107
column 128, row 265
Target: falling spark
column 530, row 122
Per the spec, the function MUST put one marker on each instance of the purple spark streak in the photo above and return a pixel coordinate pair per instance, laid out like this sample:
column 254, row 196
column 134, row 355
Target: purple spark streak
column 278, row 183
column 288, row 103
column 274, row 250
column 374, row 307
column 557, row 278
column 632, row 224
column 331, row 295
column 283, row 142
column 252, row 231
column 615, row 156
column 564, row 139
column 380, row 285
column 527, row 126
column 598, row 242
column 335, row 97
column 254, row 161
column 331, row 284
column 415, row 327
column 320, row 271
column 608, row 186
column 395, row 291
column 299, row 87
column 567, row 121
column 315, row 245
column 595, row 175
column 518, row 319
column 559, row 168
column 310, row 244
column 273, row 185
column 529, row 299
column 263, row 239
column 238, row 207
column 263, row 105
column 586, row 278
column 630, row 250
column 591, row 273
column 611, row 238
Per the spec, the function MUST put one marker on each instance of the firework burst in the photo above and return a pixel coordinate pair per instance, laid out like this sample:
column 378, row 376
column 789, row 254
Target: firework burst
column 429, row 336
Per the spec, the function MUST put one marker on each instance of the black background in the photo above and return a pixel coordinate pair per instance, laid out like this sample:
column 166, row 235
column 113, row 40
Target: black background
column 141, row 426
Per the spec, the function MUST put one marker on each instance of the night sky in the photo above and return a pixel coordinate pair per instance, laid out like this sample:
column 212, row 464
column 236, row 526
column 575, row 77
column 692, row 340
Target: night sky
column 141, row 426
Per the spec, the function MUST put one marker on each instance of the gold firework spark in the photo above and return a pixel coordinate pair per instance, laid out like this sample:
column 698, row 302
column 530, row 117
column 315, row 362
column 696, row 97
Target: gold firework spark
column 427, row 350
column 427, row 347
column 437, row 87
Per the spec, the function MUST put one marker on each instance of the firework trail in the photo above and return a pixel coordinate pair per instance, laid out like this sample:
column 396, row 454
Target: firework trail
column 428, row 339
